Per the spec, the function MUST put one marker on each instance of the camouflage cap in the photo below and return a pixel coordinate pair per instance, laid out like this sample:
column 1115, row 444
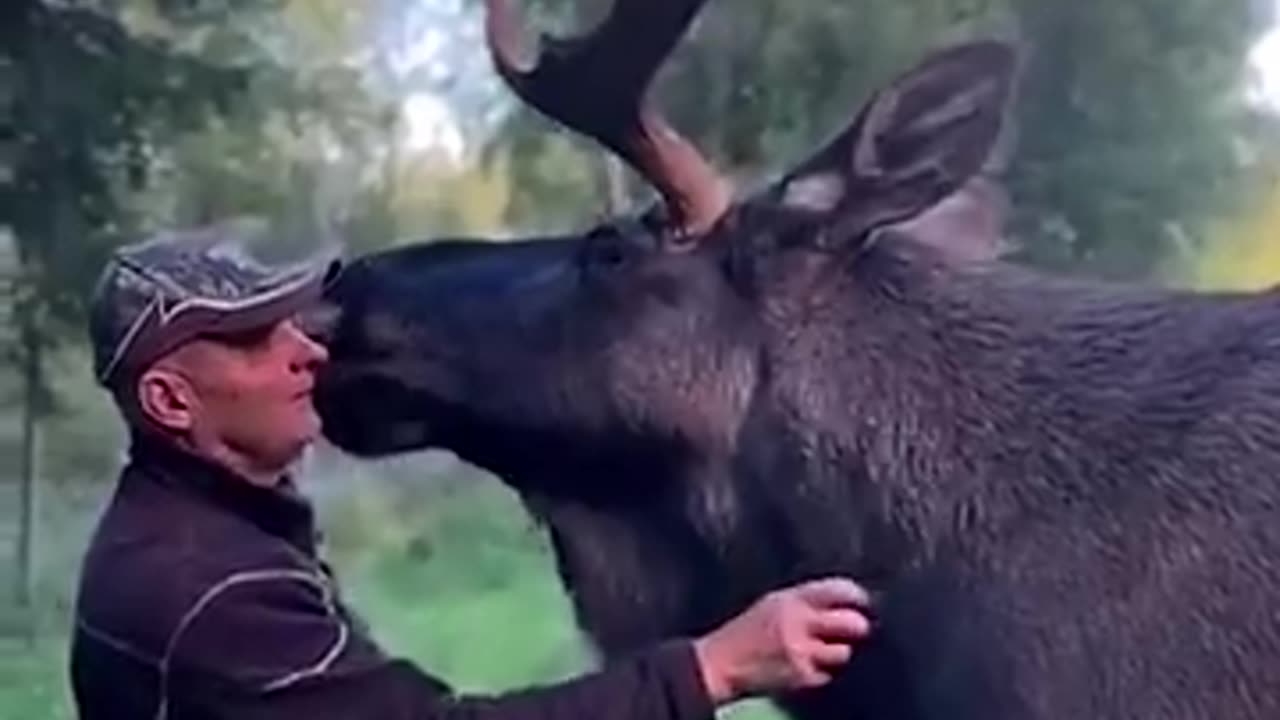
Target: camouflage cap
column 155, row 295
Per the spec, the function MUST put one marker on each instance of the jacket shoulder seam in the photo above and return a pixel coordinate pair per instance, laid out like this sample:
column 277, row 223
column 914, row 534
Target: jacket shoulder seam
column 247, row 577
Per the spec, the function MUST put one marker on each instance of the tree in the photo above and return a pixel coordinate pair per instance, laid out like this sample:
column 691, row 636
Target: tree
column 86, row 104
column 1131, row 117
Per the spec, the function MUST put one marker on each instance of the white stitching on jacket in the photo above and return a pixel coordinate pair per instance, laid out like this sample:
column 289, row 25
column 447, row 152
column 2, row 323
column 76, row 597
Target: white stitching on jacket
column 241, row 578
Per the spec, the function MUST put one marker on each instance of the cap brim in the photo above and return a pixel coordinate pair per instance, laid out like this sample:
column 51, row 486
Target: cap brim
column 290, row 293
column 160, row 330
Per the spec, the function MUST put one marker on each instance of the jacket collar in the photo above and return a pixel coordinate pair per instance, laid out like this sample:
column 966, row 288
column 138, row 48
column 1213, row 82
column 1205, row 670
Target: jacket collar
column 281, row 511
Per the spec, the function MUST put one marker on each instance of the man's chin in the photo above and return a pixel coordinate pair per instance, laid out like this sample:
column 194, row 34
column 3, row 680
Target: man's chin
column 294, row 449
column 310, row 427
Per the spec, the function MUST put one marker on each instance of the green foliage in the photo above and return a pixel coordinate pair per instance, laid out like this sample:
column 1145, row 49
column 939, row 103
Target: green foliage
column 1243, row 253
column 85, row 100
column 1131, row 120
column 458, row 579
column 134, row 115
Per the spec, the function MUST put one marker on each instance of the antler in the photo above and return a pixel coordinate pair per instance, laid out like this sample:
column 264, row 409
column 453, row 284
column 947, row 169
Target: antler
column 598, row 85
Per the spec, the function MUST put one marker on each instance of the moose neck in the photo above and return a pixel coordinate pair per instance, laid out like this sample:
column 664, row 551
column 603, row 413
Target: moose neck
column 881, row 375
column 844, row 462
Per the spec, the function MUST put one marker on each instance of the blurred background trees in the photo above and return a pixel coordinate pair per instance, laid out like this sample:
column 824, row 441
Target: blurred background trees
column 1143, row 145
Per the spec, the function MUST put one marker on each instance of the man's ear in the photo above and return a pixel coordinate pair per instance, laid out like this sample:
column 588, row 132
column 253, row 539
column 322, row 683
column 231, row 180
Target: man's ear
column 915, row 142
column 166, row 399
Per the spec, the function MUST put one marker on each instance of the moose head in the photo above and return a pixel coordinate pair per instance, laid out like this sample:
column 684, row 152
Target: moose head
column 616, row 353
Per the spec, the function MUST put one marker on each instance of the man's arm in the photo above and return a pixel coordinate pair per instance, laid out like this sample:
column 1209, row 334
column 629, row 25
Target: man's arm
column 658, row 684
column 276, row 646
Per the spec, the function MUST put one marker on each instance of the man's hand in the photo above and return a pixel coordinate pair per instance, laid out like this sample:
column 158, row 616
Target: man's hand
column 790, row 639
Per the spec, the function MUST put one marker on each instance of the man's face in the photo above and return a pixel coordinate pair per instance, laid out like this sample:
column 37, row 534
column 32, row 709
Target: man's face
column 247, row 393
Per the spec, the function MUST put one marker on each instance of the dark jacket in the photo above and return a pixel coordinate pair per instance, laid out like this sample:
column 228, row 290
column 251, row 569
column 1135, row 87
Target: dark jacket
column 202, row 596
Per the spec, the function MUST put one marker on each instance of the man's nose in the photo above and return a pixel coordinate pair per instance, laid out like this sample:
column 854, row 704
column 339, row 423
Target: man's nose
column 308, row 353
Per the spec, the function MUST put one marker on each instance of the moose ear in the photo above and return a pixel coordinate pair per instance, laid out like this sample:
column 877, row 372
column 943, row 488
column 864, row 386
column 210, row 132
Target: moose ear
column 917, row 141
column 967, row 225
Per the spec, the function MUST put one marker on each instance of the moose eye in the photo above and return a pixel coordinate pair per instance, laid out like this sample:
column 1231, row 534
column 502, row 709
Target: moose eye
column 610, row 255
column 605, row 250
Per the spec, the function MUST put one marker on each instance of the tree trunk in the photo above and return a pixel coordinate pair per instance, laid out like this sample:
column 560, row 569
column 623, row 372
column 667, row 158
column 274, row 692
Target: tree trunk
column 16, row 21
column 30, row 449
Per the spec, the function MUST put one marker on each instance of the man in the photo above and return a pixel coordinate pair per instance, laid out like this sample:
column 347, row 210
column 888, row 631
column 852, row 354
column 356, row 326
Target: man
column 202, row 593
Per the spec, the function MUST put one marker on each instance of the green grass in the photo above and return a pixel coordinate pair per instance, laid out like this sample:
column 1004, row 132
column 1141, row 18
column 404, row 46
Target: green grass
column 33, row 680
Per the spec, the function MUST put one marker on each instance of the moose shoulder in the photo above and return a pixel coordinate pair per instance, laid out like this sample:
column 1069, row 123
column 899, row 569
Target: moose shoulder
column 1063, row 492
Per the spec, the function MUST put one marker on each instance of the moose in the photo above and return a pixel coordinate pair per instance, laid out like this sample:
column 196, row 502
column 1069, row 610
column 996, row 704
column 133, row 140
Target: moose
column 1064, row 492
